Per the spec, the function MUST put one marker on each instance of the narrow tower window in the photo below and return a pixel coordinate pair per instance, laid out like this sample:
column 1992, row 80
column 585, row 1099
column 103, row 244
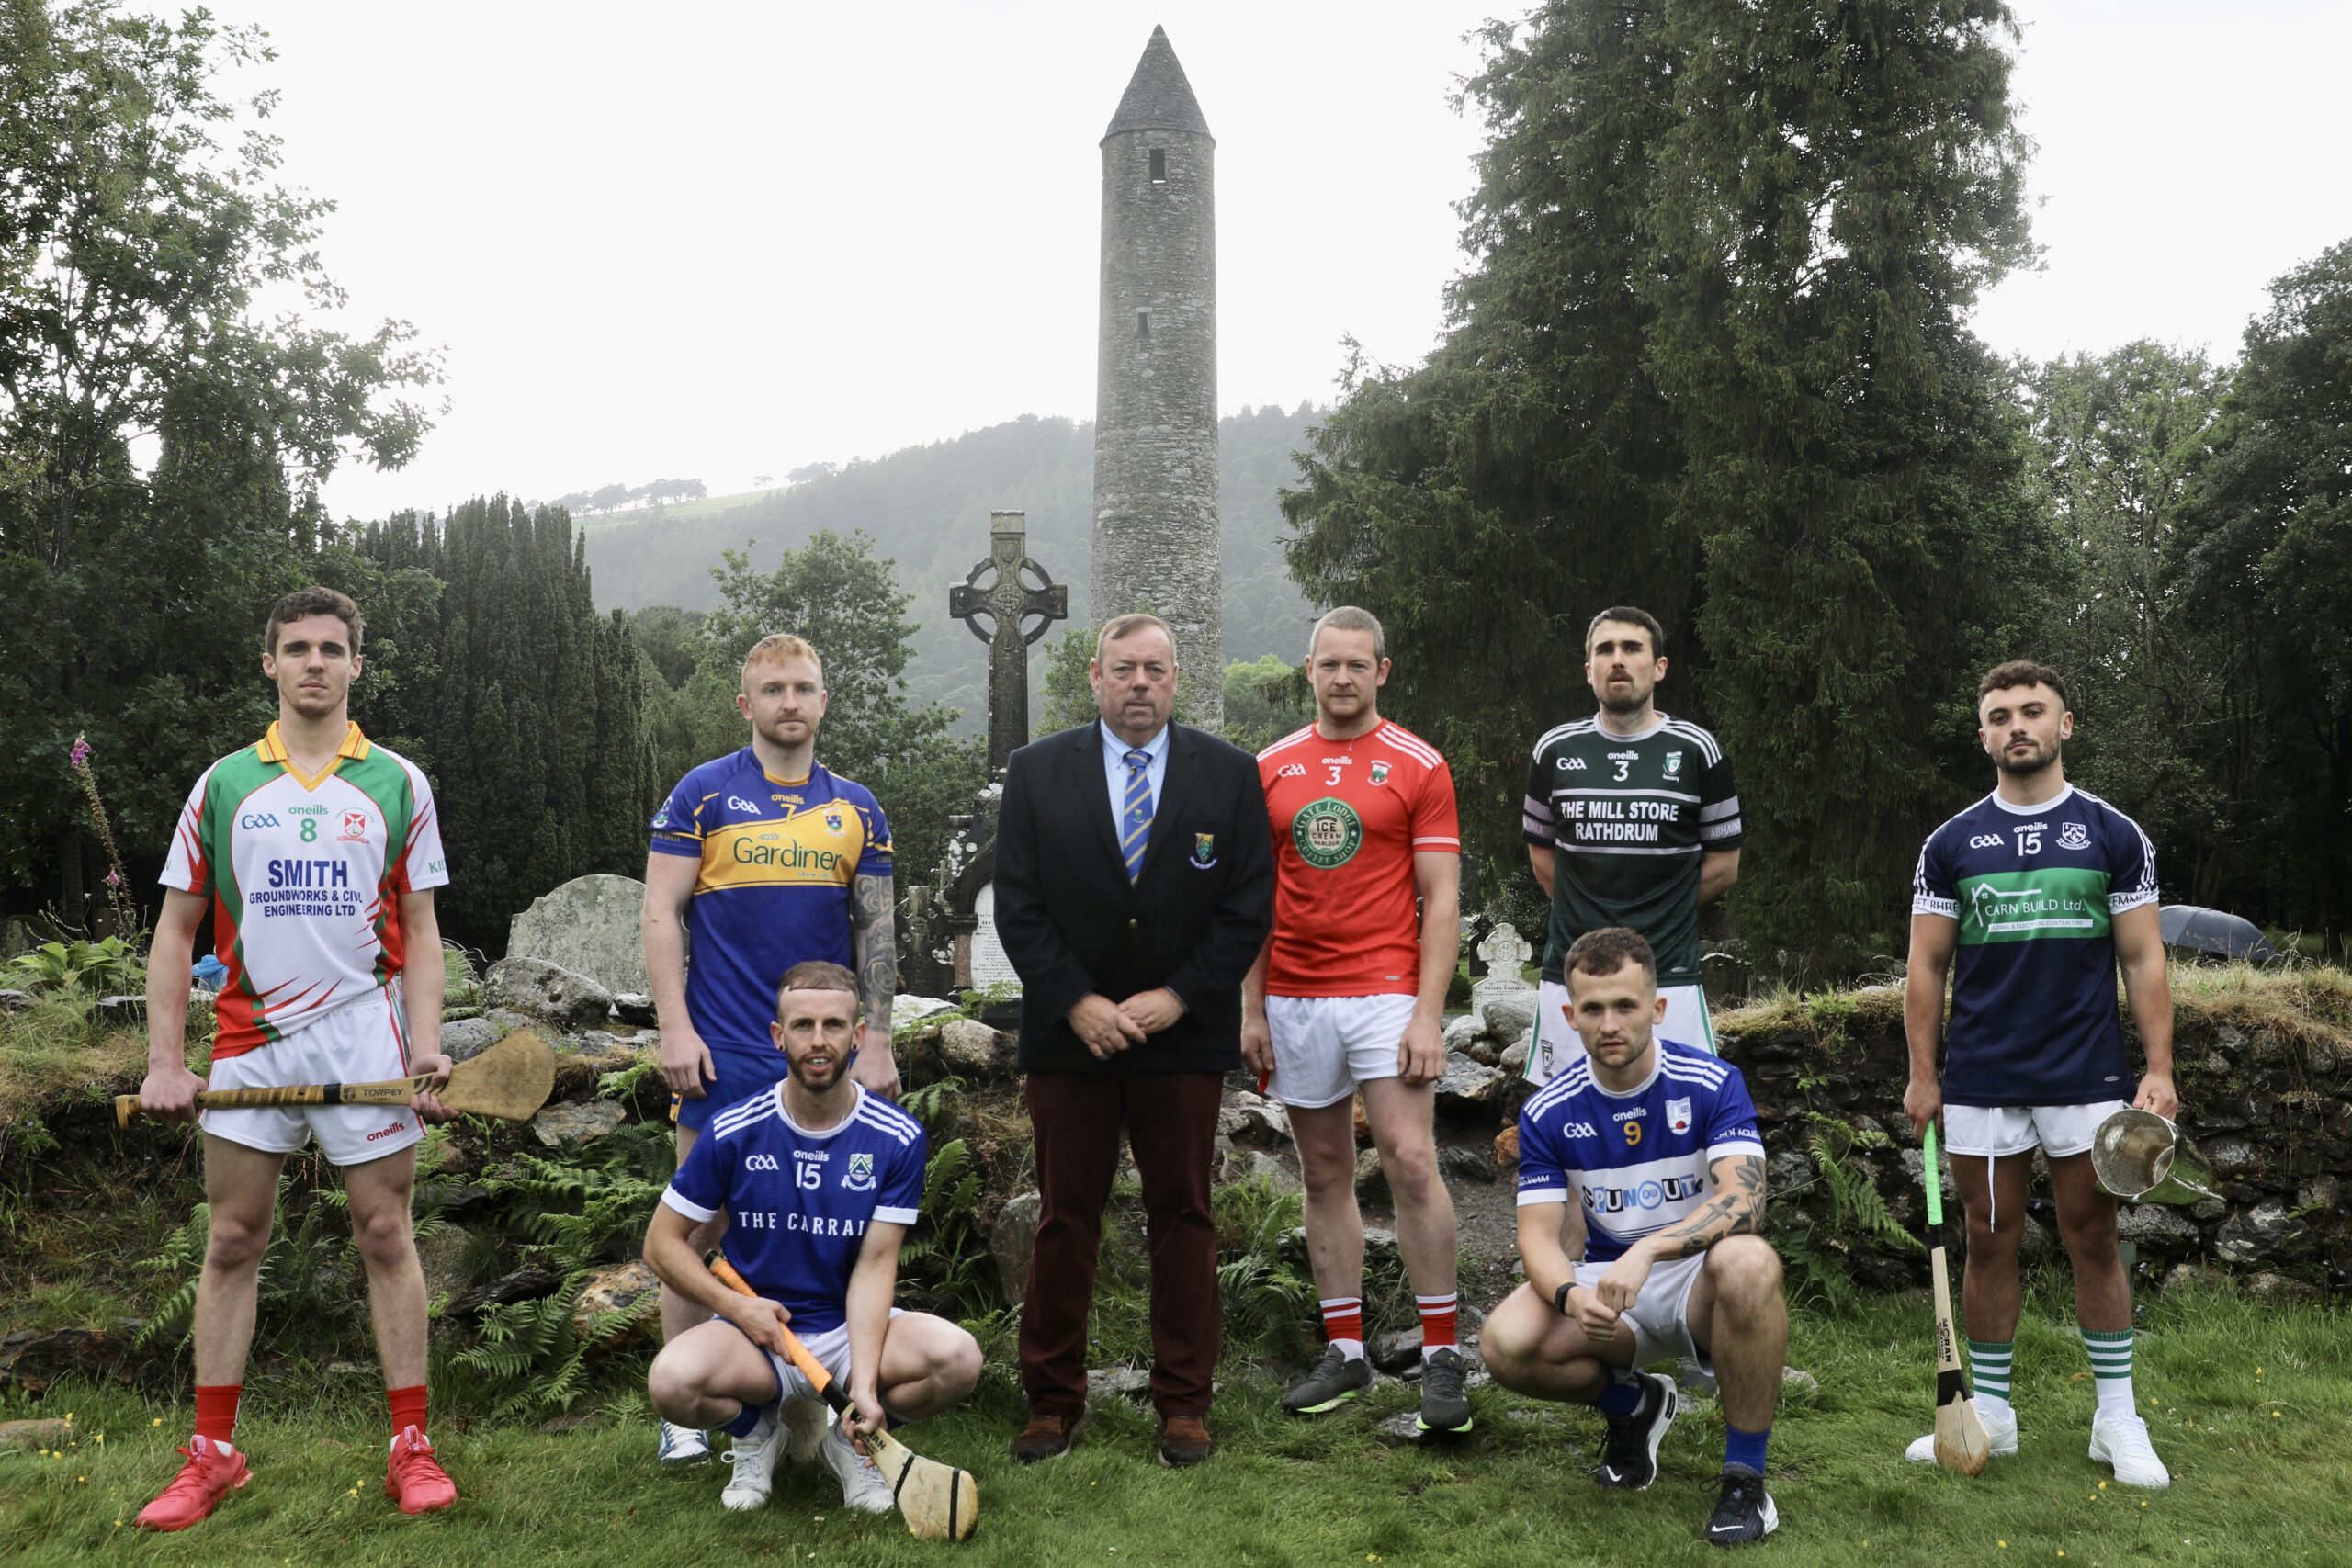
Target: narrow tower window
column 1159, row 165
column 1143, row 323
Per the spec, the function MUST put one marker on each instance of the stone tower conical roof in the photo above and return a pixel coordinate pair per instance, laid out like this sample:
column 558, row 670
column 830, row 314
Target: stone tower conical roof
column 1157, row 96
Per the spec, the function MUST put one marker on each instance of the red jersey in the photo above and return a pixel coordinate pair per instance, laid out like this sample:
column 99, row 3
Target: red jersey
column 1348, row 818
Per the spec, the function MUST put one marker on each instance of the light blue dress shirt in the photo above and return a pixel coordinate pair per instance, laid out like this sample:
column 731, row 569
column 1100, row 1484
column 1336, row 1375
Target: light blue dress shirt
column 1115, row 772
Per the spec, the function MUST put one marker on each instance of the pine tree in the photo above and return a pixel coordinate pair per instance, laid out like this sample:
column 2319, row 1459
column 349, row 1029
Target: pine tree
column 1839, row 184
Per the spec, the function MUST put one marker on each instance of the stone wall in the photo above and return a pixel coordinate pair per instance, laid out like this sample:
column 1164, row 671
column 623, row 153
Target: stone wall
column 2264, row 1065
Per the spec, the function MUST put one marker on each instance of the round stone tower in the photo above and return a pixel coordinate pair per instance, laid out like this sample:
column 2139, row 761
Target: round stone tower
column 1155, row 394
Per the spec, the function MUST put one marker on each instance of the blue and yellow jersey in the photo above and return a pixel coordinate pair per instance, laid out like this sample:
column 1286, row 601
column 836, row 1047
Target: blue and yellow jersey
column 777, row 860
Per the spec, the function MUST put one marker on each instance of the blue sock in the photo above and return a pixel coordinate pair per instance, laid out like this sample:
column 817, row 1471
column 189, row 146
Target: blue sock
column 1622, row 1398
column 746, row 1421
column 1745, row 1449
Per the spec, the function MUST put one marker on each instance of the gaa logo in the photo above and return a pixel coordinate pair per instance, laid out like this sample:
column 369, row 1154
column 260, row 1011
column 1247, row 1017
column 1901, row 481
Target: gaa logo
column 758, row 1162
column 1326, row 833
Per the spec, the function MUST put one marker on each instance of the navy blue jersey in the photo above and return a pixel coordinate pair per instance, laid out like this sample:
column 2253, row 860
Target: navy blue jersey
column 797, row 1203
column 2036, row 890
column 777, row 861
column 1636, row 1161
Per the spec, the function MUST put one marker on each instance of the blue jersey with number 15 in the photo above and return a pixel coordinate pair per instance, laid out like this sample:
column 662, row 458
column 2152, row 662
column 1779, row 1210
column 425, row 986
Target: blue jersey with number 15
column 797, row 1203
column 2035, row 891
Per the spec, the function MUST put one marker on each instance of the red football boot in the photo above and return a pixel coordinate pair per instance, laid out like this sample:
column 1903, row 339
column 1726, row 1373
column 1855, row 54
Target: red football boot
column 413, row 1478
column 210, row 1475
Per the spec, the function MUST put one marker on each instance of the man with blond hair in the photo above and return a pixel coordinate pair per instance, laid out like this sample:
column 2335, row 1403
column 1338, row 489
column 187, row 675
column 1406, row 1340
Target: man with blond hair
column 770, row 860
column 1348, row 996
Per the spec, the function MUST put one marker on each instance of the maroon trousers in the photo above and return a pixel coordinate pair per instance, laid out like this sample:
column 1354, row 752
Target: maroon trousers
column 1172, row 1124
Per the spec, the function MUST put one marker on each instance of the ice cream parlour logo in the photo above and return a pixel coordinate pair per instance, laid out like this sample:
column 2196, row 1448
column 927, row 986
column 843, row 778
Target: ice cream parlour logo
column 1326, row 832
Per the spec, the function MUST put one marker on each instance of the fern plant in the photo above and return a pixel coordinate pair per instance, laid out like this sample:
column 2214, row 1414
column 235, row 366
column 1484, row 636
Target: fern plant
column 1856, row 1204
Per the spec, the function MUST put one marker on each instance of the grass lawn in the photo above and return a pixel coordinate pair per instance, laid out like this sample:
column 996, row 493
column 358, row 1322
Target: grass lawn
column 2250, row 1407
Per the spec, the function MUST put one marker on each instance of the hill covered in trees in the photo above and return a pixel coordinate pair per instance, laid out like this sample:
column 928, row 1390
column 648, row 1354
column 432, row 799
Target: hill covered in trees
column 926, row 508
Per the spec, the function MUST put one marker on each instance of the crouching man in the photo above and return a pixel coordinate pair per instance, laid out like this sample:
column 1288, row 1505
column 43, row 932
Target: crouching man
column 1656, row 1142
column 818, row 1180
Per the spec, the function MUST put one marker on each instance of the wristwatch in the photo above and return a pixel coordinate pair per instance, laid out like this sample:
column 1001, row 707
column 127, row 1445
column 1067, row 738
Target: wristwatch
column 1560, row 1298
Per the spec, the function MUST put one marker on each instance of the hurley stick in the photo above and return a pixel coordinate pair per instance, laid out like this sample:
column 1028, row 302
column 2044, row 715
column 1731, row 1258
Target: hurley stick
column 510, row 1081
column 938, row 1501
column 1960, row 1440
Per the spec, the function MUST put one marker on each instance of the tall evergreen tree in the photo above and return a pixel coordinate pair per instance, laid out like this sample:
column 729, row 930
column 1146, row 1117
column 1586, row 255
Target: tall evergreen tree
column 1484, row 504
column 2270, row 565
column 528, row 717
column 1710, row 359
column 2121, row 440
column 1839, row 183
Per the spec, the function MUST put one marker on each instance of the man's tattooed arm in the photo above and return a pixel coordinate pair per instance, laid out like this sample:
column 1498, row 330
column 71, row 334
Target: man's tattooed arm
column 1736, row 1208
column 874, row 940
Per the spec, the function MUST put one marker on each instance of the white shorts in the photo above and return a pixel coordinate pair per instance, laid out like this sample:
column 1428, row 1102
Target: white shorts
column 360, row 1041
column 831, row 1351
column 1997, row 1131
column 1556, row 1044
column 1661, row 1315
column 1325, row 1047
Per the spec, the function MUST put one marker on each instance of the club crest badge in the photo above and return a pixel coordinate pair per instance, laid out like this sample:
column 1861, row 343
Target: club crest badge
column 1678, row 1115
column 1203, row 851
column 1380, row 772
column 355, row 826
column 859, row 1177
column 2073, row 836
column 662, row 818
column 1674, row 764
column 833, row 820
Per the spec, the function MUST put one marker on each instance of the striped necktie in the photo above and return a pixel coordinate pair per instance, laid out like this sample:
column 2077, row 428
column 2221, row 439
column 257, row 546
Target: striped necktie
column 1135, row 813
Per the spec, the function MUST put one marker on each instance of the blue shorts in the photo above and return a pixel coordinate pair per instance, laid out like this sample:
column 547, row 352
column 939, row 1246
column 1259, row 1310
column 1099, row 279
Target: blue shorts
column 742, row 1074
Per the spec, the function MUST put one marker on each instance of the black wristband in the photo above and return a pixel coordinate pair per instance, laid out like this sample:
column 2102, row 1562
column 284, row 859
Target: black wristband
column 1560, row 1298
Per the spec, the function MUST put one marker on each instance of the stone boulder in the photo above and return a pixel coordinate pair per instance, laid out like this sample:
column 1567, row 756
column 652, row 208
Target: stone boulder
column 569, row 1124
column 629, row 1289
column 1468, row 1087
column 589, row 926
column 635, row 1009
column 1012, row 1238
column 40, row 1433
column 1253, row 1119
column 1104, row 1384
column 539, row 989
column 2268, row 1232
column 1509, row 1018
column 972, row 1050
column 467, row 1037
column 1461, row 1032
column 1372, row 1180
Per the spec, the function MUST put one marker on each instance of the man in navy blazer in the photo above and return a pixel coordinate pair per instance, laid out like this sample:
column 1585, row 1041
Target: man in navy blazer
column 1134, row 888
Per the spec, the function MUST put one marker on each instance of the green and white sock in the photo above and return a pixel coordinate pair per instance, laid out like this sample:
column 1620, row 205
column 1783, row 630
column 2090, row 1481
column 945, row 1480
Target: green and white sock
column 2111, row 1357
column 1989, row 1369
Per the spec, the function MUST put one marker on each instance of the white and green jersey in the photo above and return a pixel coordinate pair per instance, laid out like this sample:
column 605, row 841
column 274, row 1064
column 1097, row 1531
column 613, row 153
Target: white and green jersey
column 305, row 877
column 1628, row 818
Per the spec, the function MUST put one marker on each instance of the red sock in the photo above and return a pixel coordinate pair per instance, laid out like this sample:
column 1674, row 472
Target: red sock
column 408, row 1407
column 1343, row 1323
column 216, row 1411
column 1438, row 1320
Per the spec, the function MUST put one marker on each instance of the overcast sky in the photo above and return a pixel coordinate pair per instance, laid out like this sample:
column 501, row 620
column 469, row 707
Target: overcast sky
column 718, row 241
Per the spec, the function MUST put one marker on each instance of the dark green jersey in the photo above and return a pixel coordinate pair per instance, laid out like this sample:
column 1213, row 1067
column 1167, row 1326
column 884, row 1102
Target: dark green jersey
column 1628, row 818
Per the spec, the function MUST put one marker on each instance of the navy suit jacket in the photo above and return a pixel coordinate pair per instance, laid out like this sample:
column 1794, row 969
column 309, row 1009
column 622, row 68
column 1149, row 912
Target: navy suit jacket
column 1192, row 921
